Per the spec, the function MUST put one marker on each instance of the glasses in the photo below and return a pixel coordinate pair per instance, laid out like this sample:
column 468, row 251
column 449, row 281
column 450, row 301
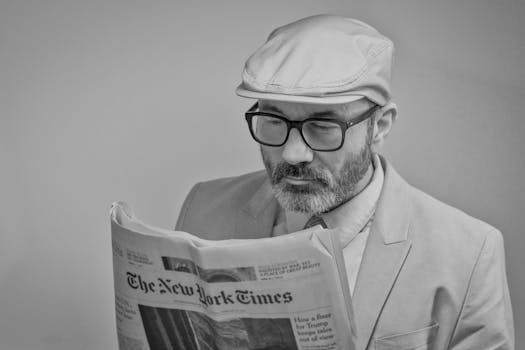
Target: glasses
column 320, row 134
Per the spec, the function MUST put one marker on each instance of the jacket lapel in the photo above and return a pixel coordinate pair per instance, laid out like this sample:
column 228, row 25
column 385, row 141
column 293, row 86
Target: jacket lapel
column 256, row 218
column 384, row 256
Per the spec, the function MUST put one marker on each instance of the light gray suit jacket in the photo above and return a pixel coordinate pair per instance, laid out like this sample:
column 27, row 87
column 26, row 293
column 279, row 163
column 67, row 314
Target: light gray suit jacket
column 431, row 277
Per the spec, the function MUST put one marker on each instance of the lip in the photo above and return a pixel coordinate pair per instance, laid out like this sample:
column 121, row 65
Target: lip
column 297, row 180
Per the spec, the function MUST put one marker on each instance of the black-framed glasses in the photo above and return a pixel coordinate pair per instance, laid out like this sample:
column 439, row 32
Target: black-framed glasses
column 320, row 134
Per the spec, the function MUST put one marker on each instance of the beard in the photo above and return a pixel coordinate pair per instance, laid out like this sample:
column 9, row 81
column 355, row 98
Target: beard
column 324, row 190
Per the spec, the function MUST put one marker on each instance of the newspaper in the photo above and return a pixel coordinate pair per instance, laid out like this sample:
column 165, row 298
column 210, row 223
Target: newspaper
column 174, row 290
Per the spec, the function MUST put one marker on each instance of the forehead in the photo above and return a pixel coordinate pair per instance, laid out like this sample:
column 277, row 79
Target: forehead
column 299, row 110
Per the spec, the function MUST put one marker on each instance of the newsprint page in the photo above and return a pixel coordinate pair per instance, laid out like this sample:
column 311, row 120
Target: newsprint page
column 174, row 290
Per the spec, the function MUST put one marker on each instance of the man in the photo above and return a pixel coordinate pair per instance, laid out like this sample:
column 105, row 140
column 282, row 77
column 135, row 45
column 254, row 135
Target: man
column 422, row 274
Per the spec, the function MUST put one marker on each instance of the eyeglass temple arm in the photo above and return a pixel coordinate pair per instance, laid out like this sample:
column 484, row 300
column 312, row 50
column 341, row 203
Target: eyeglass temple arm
column 362, row 117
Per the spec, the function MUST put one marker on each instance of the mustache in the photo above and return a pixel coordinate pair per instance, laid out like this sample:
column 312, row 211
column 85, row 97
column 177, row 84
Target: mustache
column 301, row 171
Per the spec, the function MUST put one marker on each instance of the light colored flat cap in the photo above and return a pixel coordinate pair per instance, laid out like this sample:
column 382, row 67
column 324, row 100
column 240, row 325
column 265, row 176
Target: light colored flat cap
column 320, row 59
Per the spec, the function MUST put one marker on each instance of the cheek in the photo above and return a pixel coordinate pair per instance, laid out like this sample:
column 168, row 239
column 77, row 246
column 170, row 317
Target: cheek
column 334, row 162
column 356, row 137
column 271, row 155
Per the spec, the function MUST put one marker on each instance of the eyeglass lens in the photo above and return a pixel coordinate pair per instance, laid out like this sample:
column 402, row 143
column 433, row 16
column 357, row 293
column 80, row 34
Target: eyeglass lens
column 321, row 135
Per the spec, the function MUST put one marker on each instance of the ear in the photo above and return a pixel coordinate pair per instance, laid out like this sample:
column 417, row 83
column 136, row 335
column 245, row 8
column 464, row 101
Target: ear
column 383, row 123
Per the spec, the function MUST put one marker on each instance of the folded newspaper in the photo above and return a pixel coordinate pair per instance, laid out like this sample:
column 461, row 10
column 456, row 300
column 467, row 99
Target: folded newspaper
column 174, row 290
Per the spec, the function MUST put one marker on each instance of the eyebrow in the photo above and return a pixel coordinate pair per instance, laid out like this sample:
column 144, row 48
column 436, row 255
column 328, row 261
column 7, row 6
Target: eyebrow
column 274, row 109
column 271, row 108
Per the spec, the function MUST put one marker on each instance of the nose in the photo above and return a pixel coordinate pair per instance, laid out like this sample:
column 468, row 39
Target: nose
column 295, row 150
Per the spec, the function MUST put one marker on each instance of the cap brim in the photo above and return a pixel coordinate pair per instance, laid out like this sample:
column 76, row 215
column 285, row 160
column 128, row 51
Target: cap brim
column 326, row 99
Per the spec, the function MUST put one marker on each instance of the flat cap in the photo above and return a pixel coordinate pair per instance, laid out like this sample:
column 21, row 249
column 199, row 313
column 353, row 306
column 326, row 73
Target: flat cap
column 322, row 59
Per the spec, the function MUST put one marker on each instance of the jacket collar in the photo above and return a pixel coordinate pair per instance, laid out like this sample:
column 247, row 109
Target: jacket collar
column 393, row 211
column 386, row 251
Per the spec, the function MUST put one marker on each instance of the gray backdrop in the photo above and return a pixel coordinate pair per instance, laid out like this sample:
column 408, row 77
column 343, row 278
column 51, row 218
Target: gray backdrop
column 126, row 100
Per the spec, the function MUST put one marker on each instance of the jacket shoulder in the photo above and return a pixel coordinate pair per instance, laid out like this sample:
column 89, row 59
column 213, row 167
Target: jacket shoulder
column 215, row 203
column 447, row 236
column 441, row 218
column 233, row 186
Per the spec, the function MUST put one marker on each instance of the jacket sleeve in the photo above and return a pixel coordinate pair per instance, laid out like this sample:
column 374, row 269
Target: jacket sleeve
column 485, row 321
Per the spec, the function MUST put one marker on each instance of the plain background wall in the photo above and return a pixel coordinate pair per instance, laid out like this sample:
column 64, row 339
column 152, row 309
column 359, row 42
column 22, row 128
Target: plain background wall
column 133, row 100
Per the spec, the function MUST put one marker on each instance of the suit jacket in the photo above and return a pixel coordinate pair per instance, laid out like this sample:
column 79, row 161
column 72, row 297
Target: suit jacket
column 431, row 277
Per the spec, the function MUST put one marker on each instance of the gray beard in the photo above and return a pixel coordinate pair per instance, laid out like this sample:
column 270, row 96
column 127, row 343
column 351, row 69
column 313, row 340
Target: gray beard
column 325, row 191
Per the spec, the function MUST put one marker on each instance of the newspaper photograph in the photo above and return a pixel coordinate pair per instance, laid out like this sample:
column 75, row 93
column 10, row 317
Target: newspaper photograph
column 174, row 290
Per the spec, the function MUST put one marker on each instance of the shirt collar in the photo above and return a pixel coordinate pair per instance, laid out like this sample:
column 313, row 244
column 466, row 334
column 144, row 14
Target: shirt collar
column 354, row 215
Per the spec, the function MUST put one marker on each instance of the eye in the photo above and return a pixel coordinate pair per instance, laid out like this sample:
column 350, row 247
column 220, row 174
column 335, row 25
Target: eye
column 323, row 126
column 274, row 121
column 265, row 121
